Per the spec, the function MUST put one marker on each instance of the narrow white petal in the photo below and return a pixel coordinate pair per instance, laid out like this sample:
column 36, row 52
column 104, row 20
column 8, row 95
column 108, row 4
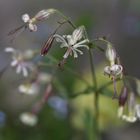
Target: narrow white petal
column 18, row 69
column 120, row 112
column 107, row 70
column 25, row 18
column 79, row 51
column 82, row 42
column 25, row 72
column 75, row 54
column 59, row 38
column 66, row 55
column 14, row 63
column 32, row 27
column 9, row 49
column 78, row 46
column 70, row 40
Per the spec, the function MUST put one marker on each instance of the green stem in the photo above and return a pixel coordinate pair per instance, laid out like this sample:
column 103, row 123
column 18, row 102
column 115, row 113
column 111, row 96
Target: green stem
column 65, row 68
column 96, row 96
column 66, row 18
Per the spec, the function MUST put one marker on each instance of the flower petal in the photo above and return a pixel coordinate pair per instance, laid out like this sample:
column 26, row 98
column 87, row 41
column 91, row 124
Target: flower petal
column 32, row 27
column 79, row 51
column 75, row 54
column 18, row 69
column 25, row 72
column 9, row 49
column 59, row 38
column 14, row 63
column 107, row 70
column 25, row 18
column 78, row 33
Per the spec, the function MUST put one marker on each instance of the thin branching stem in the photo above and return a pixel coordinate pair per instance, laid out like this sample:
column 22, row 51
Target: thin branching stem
column 96, row 95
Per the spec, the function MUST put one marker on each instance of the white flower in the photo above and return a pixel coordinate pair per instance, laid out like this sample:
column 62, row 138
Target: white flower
column 114, row 70
column 133, row 113
column 19, row 61
column 73, row 42
column 28, row 118
column 41, row 15
column 29, row 88
column 26, row 18
column 130, row 119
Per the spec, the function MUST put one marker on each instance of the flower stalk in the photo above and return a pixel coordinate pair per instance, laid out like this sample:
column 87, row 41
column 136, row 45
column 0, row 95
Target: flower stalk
column 96, row 95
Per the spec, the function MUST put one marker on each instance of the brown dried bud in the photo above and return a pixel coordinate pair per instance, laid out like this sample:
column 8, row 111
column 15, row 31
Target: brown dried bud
column 123, row 96
column 47, row 45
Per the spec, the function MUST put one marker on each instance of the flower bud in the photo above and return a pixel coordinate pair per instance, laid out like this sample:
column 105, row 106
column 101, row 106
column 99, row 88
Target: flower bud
column 111, row 54
column 44, row 14
column 123, row 96
column 47, row 45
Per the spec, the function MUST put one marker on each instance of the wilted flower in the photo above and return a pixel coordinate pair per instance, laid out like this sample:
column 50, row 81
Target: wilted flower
column 73, row 42
column 28, row 118
column 111, row 54
column 19, row 60
column 29, row 88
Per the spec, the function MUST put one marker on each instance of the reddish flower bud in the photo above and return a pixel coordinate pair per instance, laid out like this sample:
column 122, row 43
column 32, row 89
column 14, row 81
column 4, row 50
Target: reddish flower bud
column 47, row 45
column 123, row 96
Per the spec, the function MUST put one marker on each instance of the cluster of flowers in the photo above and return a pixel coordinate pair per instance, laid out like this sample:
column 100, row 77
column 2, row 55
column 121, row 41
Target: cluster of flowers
column 21, row 61
column 131, row 112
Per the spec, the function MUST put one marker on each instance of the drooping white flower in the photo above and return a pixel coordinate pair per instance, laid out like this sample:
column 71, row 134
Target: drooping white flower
column 28, row 118
column 19, row 61
column 114, row 70
column 133, row 112
column 130, row 119
column 40, row 16
column 29, row 88
column 30, row 23
column 73, row 42
column 26, row 18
